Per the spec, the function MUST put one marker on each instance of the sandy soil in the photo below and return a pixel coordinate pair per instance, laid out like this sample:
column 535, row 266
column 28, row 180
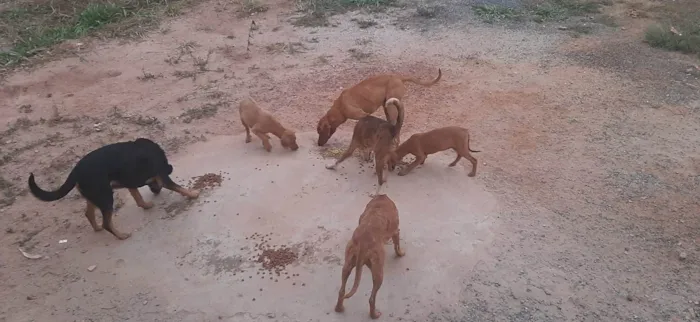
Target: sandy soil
column 584, row 207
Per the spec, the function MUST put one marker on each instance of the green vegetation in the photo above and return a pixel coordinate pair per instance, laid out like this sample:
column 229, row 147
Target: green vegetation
column 540, row 11
column 494, row 13
column 684, row 39
column 35, row 27
column 316, row 12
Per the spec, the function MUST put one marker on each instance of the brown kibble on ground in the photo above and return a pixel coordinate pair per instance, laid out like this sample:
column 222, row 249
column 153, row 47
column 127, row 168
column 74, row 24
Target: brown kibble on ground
column 209, row 180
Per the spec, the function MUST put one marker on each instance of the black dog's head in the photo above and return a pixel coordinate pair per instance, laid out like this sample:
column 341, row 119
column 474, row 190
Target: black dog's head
column 152, row 159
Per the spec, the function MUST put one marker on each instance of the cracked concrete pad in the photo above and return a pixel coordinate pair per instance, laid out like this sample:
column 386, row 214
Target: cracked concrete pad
column 201, row 262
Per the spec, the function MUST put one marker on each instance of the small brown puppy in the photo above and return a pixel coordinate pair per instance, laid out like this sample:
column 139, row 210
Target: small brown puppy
column 364, row 99
column 377, row 135
column 262, row 123
column 378, row 223
column 423, row 144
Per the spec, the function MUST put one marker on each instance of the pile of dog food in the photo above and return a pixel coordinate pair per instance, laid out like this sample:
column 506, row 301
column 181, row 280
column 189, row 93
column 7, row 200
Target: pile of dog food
column 209, row 180
column 274, row 258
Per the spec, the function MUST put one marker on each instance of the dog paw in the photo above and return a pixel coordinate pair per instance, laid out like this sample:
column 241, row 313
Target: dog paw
column 401, row 253
column 193, row 194
column 339, row 309
column 330, row 167
column 98, row 228
column 402, row 173
column 123, row 236
column 248, row 140
column 146, row 205
column 375, row 315
column 471, row 174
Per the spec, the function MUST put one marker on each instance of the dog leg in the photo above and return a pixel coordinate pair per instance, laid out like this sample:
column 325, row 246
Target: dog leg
column 109, row 225
column 139, row 199
column 473, row 161
column 419, row 160
column 171, row 185
column 264, row 137
column 346, row 154
column 397, row 247
column 347, row 269
column 105, row 201
column 90, row 214
column 464, row 152
column 454, row 163
column 377, row 279
column 248, row 138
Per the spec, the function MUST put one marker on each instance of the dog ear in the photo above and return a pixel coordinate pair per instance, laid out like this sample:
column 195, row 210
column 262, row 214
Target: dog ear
column 324, row 130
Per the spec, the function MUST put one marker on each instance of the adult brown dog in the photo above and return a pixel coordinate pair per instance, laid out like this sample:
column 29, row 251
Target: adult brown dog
column 423, row 144
column 261, row 123
column 378, row 223
column 364, row 99
column 377, row 135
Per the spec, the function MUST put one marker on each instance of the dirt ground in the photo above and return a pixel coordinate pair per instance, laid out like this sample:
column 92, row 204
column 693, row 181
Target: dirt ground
column 584, row 207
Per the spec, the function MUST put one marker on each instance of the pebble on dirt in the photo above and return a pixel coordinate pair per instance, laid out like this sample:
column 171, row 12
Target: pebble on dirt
column 91, row 268
column 682, row 256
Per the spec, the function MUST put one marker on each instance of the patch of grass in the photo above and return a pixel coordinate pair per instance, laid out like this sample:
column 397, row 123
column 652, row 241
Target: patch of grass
column 358, row 54
column 678, row 26
column 491, row 13
column 684, row 39
column 316, row 12
column 538, row 10
column 581, row 28
column 364, row 24
column 428, row 11
column 249, row 7
column 33, row 27
column 205, row 111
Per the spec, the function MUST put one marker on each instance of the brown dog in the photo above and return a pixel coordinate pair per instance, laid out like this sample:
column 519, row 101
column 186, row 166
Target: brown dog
column 378, row 223
column 377, row 135
column 262, row 123
column 364, row 99
column 423, row 144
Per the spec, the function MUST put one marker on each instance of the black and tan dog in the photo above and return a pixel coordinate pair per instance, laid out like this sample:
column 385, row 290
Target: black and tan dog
column 130, row 165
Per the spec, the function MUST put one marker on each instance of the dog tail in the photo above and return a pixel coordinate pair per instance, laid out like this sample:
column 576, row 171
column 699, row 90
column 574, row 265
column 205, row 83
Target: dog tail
column 469, row 148
column 52, row 195
column 359, row 263
column 420, row 82
column 399, row 118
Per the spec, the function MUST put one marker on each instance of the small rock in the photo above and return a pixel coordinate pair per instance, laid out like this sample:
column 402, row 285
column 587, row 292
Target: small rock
column 145, row 302
column 548, row 292
column 563, row 28
column 630, row 298
column 92, row 268
column 270, row 315
column 682, row 256
column 31, row 297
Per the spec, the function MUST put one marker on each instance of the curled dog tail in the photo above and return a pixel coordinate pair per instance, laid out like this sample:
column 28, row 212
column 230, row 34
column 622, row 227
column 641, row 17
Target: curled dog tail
column 399, row 118
column 359, row 263
column 467, row 143
column 52, row 195
column 420, row 82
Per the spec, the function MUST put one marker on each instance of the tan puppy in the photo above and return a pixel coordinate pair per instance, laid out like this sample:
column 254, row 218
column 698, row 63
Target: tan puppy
column 377, row 135
column 423, row 144
column 364, row 99
column 262, row 123
column 378, row 223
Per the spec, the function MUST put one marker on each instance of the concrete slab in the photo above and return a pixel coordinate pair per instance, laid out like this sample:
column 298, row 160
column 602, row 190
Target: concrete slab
column 198, row 262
